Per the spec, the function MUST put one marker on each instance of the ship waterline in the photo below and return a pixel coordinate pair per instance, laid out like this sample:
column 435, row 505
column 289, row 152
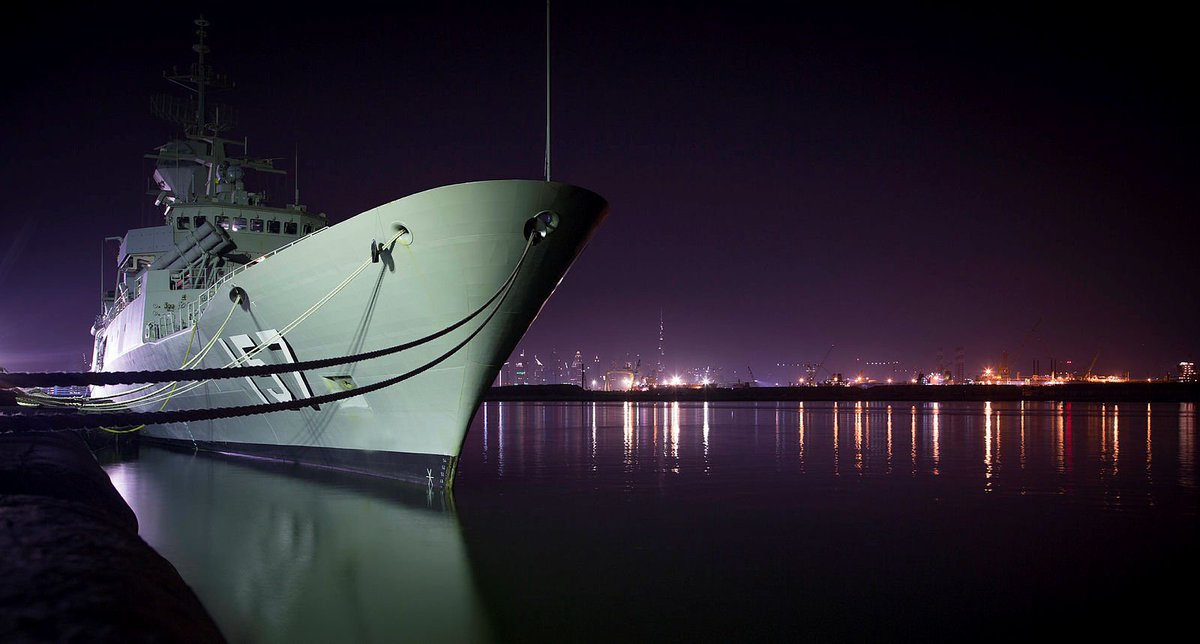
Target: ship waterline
column 451, row 249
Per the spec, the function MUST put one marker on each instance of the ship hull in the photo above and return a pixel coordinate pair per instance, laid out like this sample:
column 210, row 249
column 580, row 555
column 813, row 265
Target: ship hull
column 462, row 243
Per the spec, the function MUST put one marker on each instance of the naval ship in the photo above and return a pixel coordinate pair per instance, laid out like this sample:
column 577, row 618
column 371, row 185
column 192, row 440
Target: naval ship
column 453, row 276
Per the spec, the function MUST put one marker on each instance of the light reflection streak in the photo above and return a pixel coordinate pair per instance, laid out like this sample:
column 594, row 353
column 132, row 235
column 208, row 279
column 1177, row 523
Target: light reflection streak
column 638, row 427
column 627, row 417
column 1000, row 441
column 889, row 439
column 987, row 446
column 654, row 428
column 1060, row 453
column 867, row 427
column 1149, row 450
column 486, row 406
column 593, row 436
column 1104, row 430
column 858, row 437
column 500, row 439
column 1116, row 450
column 937, row 411
column 913, row 441
column 674, row 435
column 1187, row 445
column 1022, row 434
column 705, row 437
column 800, row 436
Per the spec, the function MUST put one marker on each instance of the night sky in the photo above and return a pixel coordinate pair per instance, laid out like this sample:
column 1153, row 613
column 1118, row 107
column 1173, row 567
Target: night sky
column 889, row 180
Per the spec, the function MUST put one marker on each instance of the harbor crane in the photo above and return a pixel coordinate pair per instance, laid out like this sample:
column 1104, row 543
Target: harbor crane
column 1088, row 374
column 813, row 369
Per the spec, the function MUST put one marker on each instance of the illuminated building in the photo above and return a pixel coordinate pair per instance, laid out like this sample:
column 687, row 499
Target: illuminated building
column 577, row 370
column 537, row 370
column 520, row 374
column 1187, row 371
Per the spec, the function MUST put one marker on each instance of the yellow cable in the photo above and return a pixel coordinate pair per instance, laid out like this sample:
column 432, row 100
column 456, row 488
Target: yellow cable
column 245, row 357
column 186, row 352
column 187, row 364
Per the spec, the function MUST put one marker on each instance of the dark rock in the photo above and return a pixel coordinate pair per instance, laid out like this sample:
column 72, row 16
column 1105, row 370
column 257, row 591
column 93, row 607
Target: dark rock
column 73, row 568
column 60, row 465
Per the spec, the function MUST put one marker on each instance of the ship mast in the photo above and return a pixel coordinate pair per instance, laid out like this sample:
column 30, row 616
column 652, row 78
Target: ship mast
column 198, row 80
column 201, row 78
column 547, row 90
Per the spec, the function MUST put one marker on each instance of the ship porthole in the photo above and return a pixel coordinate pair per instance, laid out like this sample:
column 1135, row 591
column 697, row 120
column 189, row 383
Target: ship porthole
column 405, row 235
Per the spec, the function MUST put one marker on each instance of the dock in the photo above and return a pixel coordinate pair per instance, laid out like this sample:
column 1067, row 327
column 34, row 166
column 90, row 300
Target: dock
column 73, row 565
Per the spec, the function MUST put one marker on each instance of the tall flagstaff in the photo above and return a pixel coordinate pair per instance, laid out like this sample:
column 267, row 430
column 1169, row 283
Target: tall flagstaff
column 547, row 90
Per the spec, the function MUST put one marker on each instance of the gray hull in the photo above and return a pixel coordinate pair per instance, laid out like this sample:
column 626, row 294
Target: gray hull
column 464, row 242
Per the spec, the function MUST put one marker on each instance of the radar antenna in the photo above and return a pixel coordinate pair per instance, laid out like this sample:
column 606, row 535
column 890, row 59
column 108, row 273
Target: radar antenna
column 197, row 117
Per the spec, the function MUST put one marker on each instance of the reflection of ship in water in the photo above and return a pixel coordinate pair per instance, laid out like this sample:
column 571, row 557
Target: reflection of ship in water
column 287, row 554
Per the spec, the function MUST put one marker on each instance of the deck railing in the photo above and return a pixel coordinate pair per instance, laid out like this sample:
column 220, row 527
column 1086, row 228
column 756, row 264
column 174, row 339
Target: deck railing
column 197, row 306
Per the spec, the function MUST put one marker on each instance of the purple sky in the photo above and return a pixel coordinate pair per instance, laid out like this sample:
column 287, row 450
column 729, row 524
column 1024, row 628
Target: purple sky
column 889, row 181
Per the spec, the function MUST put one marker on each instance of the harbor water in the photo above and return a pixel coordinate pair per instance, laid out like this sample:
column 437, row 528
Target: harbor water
column 858, row 521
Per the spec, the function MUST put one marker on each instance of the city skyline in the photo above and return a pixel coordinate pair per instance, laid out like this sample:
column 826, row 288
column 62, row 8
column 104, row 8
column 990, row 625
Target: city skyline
column 790, row 374
column 886, row 180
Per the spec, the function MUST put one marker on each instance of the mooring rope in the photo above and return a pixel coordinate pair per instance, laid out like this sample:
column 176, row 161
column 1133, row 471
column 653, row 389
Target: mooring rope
column 31, row 379
column 86, row 402
column 61, row 421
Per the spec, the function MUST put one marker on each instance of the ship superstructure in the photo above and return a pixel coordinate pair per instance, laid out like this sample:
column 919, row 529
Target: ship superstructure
column 212, row 223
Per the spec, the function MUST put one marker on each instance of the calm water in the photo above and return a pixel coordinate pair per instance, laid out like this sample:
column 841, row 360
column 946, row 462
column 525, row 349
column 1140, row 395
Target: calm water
column 718, row 522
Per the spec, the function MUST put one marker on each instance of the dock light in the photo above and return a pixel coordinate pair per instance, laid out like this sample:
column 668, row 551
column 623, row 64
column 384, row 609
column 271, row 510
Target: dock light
column 889, row 381
column 676, row 380
column 705, row 381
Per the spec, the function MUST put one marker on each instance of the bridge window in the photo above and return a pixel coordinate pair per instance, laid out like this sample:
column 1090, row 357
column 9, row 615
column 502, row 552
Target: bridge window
column 273, row 226
column 222, row 221
column 239, row 223
column 307, row 228
column 183, row 223
column 199, row 220
column 289, row 228
column 256, row 225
